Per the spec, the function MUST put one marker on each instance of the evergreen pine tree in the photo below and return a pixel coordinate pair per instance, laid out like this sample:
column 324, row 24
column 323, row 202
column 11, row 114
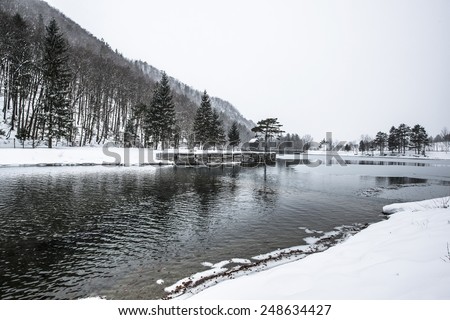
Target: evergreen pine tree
column 380, row 140
column 419, row 138
column 208, row 127
column 167, row 109
column 129, row 134
column 233, row 135
column 160, row 120
column 152, row 119
column 217, row 134
column 57, row 114
column 203, row 120
column 393, row 140
column 362, row 146
column 403, row 132
column 268, row 128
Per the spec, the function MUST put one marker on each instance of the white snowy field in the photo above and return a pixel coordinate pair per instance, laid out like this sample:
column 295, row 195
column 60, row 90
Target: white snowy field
column 94, row 155
column 410, row 155
column 76, row 156
column 404, row 257
column 98, row 155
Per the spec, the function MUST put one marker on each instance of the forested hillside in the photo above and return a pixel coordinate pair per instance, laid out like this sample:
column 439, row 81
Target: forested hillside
column 59, row 83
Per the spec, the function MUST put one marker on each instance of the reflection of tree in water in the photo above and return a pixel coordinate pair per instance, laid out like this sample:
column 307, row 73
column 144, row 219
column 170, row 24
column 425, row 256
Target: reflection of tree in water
column 233, row 174
column 69, row 224
column 267, row 192
column 207, row 184
column 399, row 180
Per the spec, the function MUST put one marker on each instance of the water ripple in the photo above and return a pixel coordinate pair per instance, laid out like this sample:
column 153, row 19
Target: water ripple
column 70, row 233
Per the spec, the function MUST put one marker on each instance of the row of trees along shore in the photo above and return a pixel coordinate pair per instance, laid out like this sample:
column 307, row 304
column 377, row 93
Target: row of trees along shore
column 399, row 139
column 159, row 122
column 55, row 92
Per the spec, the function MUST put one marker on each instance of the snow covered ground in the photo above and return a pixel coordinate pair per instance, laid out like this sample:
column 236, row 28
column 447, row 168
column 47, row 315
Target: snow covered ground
column 410, row 155
column 404, row 257
column 75, row 156
column 133, row 156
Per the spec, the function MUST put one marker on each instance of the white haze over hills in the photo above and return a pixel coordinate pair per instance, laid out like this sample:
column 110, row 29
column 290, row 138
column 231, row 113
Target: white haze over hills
column 221, row 105
column 350, row 67
column 80, row 37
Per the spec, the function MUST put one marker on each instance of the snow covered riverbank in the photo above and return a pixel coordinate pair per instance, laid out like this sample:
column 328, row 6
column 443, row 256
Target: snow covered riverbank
column 76, row 156
column 98, row 155
column 404, row 257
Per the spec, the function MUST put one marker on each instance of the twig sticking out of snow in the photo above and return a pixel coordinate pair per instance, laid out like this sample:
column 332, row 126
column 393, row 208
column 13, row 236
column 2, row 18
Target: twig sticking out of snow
column 446, row 258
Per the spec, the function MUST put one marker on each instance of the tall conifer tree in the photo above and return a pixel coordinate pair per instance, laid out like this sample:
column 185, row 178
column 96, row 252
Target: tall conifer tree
column 233, row 135
column 203, row 120
column 57, row 114
column 160, row 121
column 217, row 134
column 419, row 138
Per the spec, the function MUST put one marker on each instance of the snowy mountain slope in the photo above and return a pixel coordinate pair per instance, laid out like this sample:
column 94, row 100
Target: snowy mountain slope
column 186, row 98
column 179, row 87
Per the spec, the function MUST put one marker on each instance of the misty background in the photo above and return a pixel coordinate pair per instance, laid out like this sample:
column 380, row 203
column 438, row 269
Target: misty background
column 350, row 67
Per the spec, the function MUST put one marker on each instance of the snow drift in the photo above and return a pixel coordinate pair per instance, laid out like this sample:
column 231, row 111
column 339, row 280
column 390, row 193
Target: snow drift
column 404, row 257
column 418, row 205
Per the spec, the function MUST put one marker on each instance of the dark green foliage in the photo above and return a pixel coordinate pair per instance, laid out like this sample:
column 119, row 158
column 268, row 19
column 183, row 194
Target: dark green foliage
column 217, row 132
column 56, row 80
column 22, row 136
column 160, row 119
column 233, row 135
column 393, row 141
column 268, row 128
column 362, row 146
column 203, row 120
column 419, row 138
column 129, row 134
column 403, row 137
column 348, row 147
column 403, row 132
column 294, row 141
column 207, row 125
column 380, row 140
column 166, row 108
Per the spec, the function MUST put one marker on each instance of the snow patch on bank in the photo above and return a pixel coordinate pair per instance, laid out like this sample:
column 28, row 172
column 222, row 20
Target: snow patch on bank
column 404, row 257
column 72, row 156
column 241, row 267
column 437, row 203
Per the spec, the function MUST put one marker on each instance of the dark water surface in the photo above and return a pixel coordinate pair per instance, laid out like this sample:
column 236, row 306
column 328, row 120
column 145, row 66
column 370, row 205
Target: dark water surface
column 75, row 232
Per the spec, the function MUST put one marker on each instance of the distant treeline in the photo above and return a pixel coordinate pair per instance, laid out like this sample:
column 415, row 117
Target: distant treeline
column 402, row 138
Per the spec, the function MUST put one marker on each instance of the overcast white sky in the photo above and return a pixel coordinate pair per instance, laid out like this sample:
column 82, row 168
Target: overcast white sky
column 349, row 67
